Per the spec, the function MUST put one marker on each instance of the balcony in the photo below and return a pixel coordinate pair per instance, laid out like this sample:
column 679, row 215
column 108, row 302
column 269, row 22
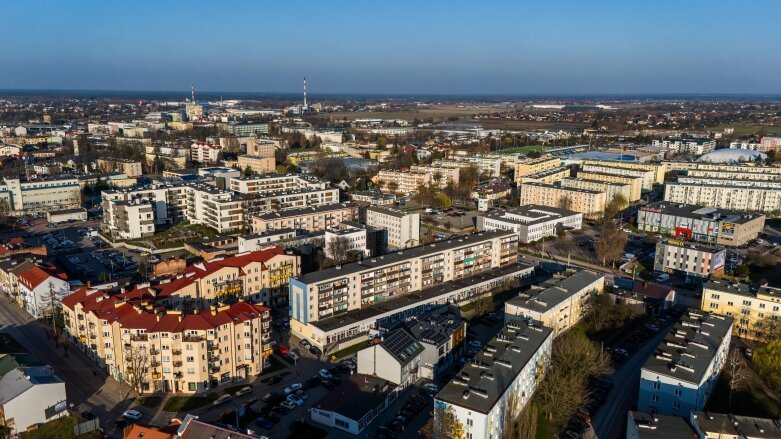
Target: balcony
column 154, row 351
column 177, row 352
column 177, row 364
column 154, row 363
column 193, row 338
column 139, row 337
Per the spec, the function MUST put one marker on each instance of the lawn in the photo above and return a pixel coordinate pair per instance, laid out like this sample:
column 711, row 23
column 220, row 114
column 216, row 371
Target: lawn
column 177, row 404
column 276, row 364
column 748, row 402
column 349, row 351
column 520, row 149
column 60, row 428
column 545, row 428
column 745, row 129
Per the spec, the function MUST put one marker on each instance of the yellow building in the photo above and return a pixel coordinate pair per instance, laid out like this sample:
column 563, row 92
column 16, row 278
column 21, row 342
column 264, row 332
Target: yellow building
column 258, row 164
column 590, row 203
column 635, row 183
column 611, row 190
column 752, row 308
column 548, row 176
column 659, row 169
column 533, row 166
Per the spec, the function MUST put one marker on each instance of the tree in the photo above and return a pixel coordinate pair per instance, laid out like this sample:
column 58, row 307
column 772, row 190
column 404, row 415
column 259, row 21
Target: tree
column 482, row 306
column 442, row 424
column 136, row 369
column 616, row 205
column 437, row 178
column 5, row 209
column 736, row 372
column 767, row 363
column 610, row 246
column 564, row 387
column 281, row 169
column 393, row 186
column 337, row 249
column 442, row 201
column 50, row 305
column 248, row 172
column 565, row 202
column 768, row 329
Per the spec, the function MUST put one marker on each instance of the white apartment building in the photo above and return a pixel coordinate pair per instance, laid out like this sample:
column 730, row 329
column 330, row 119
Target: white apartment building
column 40, row 195
column 557, row 303
column 691, row 259
column 686, row 145
column 721, row 167
column 344, row 305
column 203, row 152
column 679, row 376
column 725, row 196
column 491, row 166
column 745, row 144
column 354, row 238
column 312, row 219
column 132, row 219
column 648, row 176
column 635, row 183
column 532, row 222
column 499, row 381
column 403, row 227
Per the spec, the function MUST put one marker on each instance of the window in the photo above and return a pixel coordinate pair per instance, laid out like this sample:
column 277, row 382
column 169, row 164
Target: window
column 678, row 392
column 655, row 398
column 341, row 423
column 657, row 385
column 676, row 404
column 469, row 422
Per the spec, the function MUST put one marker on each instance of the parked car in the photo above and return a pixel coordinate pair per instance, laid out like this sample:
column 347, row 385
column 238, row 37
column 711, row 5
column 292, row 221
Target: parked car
column 293, row 356
column 288, row 405
column 304, row 343
column 221, row 400
column 133, row 415
column 315, row 351
column 243, row 391
column 293, row 388
column 282, row 349
column 264, row 423
column 295, row 399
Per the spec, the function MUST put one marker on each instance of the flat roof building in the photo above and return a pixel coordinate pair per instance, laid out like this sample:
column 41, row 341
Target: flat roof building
column 531, row 222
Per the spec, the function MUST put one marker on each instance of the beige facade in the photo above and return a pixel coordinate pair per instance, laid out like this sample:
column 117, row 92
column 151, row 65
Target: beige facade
column 533, row 166
column 611, row 190
column 686, row 166
column 175, row 351
column 742, row 198
column 659, row 169
column 754, row 310
column 407, row 182
column 128, row 167
column 548, row 176
column 312, row 219
column 258, row 164
column 590, row 203
column 261, row 148
column 648, row 176
column 635, row 183
column 440, row 174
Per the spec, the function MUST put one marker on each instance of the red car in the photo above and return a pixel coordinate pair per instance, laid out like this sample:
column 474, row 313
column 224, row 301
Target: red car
column 282, row 349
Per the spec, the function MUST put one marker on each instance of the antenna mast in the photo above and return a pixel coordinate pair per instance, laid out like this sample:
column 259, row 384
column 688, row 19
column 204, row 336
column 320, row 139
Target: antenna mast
column 192, row 87
column 305, row 94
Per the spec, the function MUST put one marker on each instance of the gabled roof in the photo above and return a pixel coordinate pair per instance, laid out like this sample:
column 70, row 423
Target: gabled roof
column 241, row 261
column 36, row 275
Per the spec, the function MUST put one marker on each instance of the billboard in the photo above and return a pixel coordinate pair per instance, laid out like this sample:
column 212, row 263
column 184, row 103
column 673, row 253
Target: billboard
column 727, row 230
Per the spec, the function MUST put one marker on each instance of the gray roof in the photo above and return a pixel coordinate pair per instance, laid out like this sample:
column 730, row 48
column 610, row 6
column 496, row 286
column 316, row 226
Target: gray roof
column 21, row 379
column 558, row 291
column 662, row 426
column 741, row 289
column 357, row 396
column 400, row 301
column 482, row 382
column 401, row 345
column 739, row 426
column 435, row 327
column 695, row 211
column 535, row 212
column 690, row 346
column 401, row 256
column 305, row 211
column 388, row 211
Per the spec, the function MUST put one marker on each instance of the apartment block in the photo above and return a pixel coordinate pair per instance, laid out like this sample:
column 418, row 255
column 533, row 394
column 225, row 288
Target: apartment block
column 692, row 260
column 686, row 145
column 273, row 192
column 648, row 176
column 531, row 222
column 132, row 219
column 491, row 166
column 407, row 182
column 311, row 219
column 635, row 183
column 261, row 147
column 611, row 190
column 557, row 303
column 440, row 175
column 203, row 152
column 499, row 381
column 751, row 306
column 258, row 164
column 36, row 285
column 403, row 227
column 340, row 305
column 771, row 143
column 733, row 175
column 548, row 176
column 354, row 239
column 590, row 203
column 31, row 196
column 725, row 196
column 701, row 224
column 659, row 169
column 176, row 351
column 680, row 375
column 533, row 166
column 128, row 167
column 723, row 167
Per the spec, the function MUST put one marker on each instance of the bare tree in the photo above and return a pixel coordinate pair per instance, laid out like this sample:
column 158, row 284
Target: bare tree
column 50, row 305
column 337, row 249
column 482, row 306
column 393, row 186
column 610, row 246
column 768, row 329
column 736, row 372
column 510, row 417
column 565, row 202
column 136, row 369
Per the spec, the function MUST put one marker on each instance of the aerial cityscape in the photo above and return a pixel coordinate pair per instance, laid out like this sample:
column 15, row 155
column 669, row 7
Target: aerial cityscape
column 400, row 220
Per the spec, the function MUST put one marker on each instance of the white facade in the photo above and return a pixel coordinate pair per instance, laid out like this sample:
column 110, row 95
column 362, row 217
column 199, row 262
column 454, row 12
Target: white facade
column 531, row 222
column 403, row 227
column 204, row 152
column 696, row 146
column 41, row 195
column 355, row 238
column 36, row 288
column 759, row 198
column 30, row 396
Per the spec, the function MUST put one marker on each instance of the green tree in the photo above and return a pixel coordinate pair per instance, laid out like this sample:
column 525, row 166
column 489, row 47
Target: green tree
column 767, row 363
column 442, row 201
column 281, row 169
column 442, row 424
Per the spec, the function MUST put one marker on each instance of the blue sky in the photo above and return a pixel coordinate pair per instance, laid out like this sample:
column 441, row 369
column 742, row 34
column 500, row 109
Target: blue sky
column 413, row 47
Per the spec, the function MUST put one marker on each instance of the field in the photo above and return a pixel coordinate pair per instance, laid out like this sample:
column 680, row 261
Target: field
column 438, row 113
column 748, row 129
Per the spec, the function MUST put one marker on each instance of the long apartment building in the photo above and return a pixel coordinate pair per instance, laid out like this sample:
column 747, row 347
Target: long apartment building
column 648, row 176
column 686, row 145
column 733, row 175
column 499, row 381
column 491, row 166
column 441, row 175
column 273, row 192
column 403, row 228
column 751, row 306
column 725, row 195
column 407, row 182
column 312, row 219
column 127, row 333
column 557, row 303
column 721, row 167
column 533, row 166
column 548, row 176
column 40, row 195
column 590, row 203
column 130, row 168
column 680, row 375
column 659, row 169
column 611, row 190
column 635, row 183
column 531, row 222
column 341, row 305
column 702, row 224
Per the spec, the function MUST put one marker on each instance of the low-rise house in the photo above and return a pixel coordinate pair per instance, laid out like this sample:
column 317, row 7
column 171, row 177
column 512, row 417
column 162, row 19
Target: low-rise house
column 30, row 396
column 355, row 403
column 396, row 358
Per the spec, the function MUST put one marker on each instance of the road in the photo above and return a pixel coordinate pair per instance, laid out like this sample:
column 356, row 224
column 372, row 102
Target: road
column 87, row 387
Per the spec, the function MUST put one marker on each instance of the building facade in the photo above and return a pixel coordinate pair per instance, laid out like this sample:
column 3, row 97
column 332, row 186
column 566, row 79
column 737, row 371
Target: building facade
column 693, row 260
column 754, row 308
column 311, row 219
column 403, row 228
column 532, row 222
column 590, row 203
